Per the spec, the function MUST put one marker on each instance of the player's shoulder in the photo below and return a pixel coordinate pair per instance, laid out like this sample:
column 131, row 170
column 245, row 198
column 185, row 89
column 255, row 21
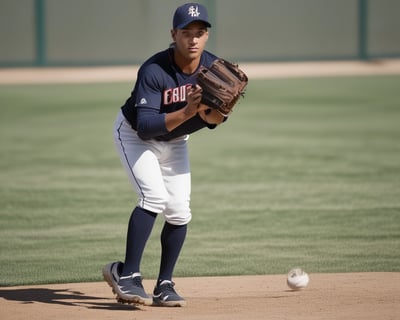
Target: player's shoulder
column 156, row 67
column 208, row 58
column 158, row 60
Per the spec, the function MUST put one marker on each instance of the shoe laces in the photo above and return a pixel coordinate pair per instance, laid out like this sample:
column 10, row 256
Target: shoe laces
column 136, row 279
column 167, row 286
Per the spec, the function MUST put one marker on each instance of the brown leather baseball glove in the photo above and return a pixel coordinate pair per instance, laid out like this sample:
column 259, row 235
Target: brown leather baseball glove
column 223, row 83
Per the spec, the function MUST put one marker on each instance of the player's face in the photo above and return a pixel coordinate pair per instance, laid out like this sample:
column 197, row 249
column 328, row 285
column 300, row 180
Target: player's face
column 191, row 41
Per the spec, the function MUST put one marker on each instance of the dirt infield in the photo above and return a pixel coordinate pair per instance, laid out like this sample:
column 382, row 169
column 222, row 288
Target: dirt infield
column 253, row 70
column 328, row 296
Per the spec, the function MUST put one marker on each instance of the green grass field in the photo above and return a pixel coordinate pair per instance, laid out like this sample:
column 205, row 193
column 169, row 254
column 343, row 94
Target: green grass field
column 305, row 173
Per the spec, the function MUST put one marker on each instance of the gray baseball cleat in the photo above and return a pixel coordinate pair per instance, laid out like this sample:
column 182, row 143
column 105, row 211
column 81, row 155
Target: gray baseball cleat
column 128, row 289
column 165, row 295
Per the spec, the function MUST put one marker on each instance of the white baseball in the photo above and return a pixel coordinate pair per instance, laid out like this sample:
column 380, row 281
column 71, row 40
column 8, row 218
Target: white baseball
column 297, row 279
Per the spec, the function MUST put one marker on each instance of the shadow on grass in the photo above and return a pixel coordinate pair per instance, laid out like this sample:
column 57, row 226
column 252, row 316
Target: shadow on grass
column 65, row 297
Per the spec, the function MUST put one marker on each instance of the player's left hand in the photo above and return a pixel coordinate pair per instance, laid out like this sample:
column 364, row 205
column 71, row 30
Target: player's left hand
column 223, row 84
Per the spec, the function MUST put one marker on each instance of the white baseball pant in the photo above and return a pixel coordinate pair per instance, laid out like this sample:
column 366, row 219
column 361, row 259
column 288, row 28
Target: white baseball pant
column 158, row 170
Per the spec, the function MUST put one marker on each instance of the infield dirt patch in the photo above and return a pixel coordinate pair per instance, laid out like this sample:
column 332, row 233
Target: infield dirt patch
column 270, row 70
column 328, row 296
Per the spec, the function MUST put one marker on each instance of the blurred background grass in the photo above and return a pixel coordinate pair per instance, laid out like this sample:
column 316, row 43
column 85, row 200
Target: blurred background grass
column 306, row 172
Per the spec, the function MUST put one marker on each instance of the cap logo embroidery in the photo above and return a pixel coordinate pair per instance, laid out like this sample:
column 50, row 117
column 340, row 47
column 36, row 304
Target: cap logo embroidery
column 194, row 11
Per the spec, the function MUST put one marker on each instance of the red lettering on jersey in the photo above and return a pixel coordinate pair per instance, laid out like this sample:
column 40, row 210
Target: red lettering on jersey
column 183, row 92
column 175, row 95
column 168, row 96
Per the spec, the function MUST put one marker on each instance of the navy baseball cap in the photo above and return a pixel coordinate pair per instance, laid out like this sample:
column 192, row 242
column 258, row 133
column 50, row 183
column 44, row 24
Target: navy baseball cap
column 188, row 13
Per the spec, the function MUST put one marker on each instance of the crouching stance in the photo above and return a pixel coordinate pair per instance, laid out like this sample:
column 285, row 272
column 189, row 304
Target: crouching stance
column 151, row 132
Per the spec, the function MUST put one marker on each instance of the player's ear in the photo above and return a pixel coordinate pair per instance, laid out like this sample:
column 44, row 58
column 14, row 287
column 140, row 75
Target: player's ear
column 173, row 34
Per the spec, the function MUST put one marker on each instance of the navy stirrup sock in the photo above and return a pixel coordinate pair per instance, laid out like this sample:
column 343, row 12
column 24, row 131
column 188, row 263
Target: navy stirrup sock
column 172, row 239
column 140, row 226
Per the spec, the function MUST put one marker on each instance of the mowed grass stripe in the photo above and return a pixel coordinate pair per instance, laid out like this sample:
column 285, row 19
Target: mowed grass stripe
column 305, row 172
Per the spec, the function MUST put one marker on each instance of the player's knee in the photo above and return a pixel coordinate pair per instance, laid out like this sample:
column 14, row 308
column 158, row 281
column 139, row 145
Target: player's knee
column 178, row 214
column 178, row 220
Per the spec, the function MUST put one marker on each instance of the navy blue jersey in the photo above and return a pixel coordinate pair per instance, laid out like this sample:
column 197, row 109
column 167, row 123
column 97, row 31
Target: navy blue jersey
column 160, row 88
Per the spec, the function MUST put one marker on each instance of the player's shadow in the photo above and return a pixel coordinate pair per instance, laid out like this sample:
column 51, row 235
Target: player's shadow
column 65, row 297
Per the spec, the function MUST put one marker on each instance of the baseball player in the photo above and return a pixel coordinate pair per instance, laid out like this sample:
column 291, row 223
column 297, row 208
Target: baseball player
column 151, row 133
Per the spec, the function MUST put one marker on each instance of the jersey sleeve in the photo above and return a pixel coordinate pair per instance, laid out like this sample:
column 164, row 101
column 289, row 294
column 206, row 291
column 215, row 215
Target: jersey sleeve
column 148, row 88
column 150, row 122
column 190, row 126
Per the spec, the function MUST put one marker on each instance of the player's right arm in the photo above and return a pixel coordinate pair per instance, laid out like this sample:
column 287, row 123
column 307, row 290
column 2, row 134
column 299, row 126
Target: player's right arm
column 151, row 123
column 176, row 118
